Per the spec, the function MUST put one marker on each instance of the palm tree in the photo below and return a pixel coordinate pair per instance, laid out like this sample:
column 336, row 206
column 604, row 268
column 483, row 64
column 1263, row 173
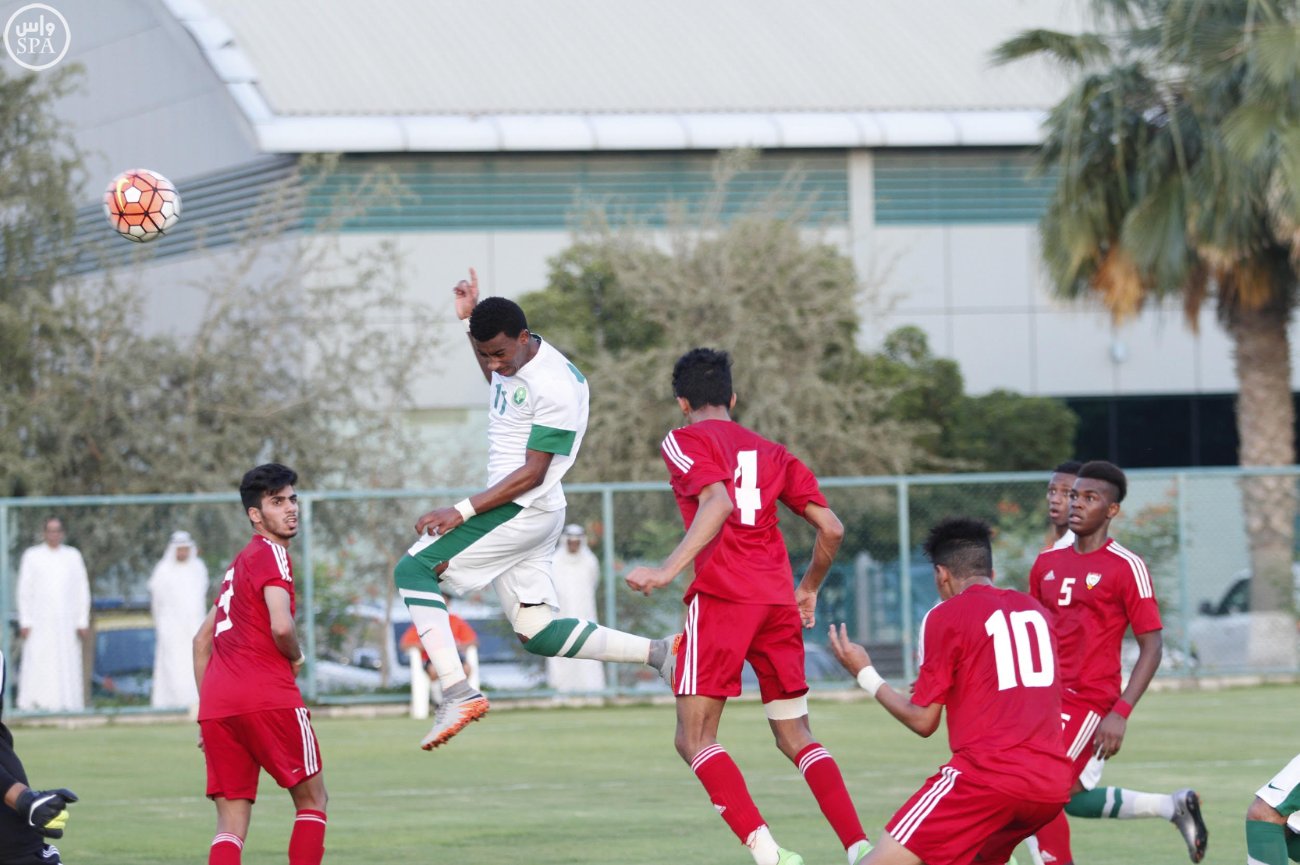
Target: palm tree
column 1177, row 153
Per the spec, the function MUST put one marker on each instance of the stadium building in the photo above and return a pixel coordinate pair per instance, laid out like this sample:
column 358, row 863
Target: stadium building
column 506, row 119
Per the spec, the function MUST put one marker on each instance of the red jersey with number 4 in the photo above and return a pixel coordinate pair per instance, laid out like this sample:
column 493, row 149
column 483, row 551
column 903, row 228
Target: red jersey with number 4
column 988, row 655
column 746, row 561
column 1094, row 598
column 246, row 672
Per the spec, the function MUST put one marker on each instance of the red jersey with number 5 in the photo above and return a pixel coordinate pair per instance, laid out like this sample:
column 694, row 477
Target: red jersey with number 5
column 988, row 655
column 1094, row 598
column 246, row 672
column 746, row 561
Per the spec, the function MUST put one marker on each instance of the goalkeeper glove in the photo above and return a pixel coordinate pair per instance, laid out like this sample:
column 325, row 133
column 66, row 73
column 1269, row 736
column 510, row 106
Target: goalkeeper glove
column 46, row 810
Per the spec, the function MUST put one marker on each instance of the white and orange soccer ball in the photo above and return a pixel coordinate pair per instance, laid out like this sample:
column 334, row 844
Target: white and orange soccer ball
column 142, row 205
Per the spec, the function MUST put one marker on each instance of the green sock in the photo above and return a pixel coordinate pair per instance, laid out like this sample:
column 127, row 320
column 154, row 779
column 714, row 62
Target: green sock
column 1292, row 845
column 1103, row 802
column 1266, row 843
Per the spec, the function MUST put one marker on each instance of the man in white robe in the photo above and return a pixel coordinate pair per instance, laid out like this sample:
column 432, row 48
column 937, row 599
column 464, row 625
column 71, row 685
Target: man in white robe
column 576, row 573
column 178, row 593
column 53, row 620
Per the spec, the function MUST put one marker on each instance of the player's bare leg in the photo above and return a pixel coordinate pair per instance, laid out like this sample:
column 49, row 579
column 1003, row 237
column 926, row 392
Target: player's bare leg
column 794, row 738
column 890, row 852
column 307, row 841
column 233, row 817
column 696, row 740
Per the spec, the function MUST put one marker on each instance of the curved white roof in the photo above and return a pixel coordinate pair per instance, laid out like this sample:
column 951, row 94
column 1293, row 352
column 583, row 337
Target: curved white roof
column 486, row 75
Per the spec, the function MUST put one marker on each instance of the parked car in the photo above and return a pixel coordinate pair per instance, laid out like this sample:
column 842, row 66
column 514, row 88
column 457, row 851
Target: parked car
column 358, row 665
column 122, row 666
column 1237, row 597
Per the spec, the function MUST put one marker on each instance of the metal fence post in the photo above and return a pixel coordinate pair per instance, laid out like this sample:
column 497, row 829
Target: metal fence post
column 905, row 576
column 1184, row 590
column 308, row 594
column 5, row 602
column 607, row 568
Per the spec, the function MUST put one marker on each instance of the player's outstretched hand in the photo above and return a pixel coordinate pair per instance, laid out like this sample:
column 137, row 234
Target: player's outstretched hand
column 646, row 580
column 46, row 810
column 466, row 293
column 851, row 656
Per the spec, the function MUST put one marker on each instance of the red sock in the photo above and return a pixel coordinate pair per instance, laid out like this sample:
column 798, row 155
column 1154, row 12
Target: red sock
column 307, row 843
column 225, row 849
column 726, row 788
column 827, row 784
column 1054, row 842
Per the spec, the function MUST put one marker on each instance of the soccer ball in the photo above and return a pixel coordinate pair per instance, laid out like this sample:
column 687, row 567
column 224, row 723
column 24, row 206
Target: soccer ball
column 142, row 205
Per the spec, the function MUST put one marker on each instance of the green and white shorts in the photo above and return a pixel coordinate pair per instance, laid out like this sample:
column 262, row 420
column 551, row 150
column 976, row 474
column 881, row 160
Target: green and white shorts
column 1283, row 793
column 510, row 548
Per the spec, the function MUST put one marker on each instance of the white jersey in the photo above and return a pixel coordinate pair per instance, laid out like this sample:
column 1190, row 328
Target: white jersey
column 542, row 407
column 1066, row 540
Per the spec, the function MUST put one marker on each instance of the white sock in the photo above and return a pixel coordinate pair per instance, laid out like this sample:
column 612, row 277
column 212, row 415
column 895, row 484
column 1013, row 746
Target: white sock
column 856, row 850
column 606, row 644
column 434, row 627
column 1031, row 844
column 761, row 843
column 1134, row 805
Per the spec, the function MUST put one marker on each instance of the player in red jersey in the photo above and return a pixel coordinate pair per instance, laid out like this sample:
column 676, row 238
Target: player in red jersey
column 742, row 604
column 1096, row 590
column 988, row 655
column 251, row 715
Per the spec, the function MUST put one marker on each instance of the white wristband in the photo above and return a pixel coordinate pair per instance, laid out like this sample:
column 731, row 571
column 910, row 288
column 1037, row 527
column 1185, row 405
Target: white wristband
column 465, row 509
column 466, row 320
column 869, row 680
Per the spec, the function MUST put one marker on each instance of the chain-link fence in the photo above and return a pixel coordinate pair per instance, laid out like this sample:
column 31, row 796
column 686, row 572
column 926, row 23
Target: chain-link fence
column 1201, row 533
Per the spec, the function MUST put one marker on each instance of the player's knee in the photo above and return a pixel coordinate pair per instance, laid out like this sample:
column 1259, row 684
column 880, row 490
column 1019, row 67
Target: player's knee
column 1261, row 810
column 531, row 621
column 409, row 573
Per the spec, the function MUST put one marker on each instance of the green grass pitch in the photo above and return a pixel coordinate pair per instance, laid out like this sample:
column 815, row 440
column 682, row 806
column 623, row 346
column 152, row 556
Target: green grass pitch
column 604, row 785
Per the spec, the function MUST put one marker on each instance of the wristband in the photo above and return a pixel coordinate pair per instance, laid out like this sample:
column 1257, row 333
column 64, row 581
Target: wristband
column 869, row 680
column 465, row 509
column 1122, row 707
column 466, row 320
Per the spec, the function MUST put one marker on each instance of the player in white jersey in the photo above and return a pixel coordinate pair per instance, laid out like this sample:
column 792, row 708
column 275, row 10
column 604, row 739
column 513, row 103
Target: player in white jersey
column 506, row 535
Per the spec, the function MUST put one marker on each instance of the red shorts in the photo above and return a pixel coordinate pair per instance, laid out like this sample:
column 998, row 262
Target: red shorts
column 721, row 635
column 1079, row 723
column 236, row 748
column 954, row 819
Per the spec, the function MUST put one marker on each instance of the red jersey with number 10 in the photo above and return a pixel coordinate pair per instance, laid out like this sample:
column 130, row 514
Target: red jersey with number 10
column 988, row 655
column 746, row 561
column 246, row 672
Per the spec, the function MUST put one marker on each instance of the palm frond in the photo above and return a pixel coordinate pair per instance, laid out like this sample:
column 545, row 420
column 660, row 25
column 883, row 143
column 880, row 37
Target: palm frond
column 1074, row 50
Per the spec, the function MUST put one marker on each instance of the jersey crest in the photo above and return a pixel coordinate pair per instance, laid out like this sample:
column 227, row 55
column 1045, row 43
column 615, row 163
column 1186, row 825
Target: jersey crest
column 520, row 396
column 1092, row 580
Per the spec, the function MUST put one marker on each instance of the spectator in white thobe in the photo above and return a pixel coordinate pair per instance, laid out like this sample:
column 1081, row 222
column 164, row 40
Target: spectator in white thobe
column 53, row 619
column 178, row 599
column 576, row 573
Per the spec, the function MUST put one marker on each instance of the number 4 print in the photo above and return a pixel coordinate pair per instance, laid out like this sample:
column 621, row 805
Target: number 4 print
column 748, row 499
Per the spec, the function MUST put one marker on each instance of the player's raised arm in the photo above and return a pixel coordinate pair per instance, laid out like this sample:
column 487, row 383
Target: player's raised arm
column 465, row 298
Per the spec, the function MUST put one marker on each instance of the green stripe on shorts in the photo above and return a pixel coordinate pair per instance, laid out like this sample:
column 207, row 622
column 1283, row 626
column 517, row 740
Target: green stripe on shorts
column 551, row 440
column 463, row 536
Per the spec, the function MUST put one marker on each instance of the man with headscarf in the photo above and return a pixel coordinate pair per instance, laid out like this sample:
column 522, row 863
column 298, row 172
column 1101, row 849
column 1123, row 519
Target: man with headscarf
column 576, row 573
column 53, row 620
column 178, row 592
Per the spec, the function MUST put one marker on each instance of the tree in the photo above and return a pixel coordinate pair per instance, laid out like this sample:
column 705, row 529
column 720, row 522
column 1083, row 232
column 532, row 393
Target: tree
column 40, row 168
column 785, row 307
column 1177, row 153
